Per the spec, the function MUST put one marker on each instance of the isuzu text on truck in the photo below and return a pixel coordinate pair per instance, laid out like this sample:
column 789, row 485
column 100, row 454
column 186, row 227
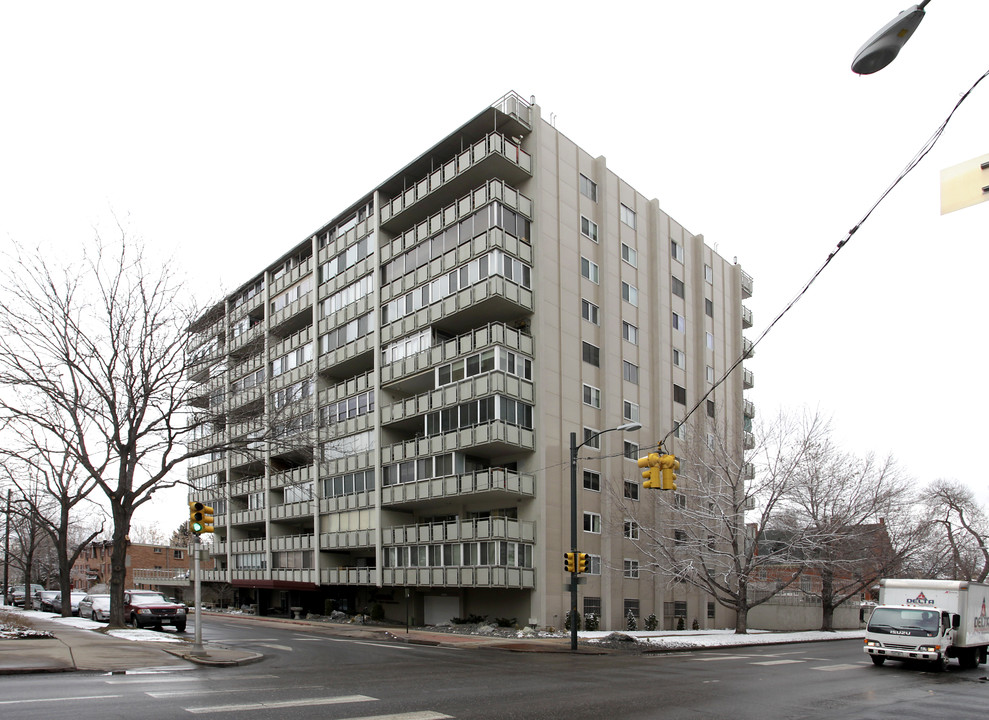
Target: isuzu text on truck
column 931, row 620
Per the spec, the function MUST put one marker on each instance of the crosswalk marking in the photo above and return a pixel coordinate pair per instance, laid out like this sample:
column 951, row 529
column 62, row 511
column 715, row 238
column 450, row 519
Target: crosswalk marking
column 273, row 646
column 148, row 679
column 214, row 691
column 281, row 704
column 722, row 657
column 59, row 699
column 845, row 666
column 777, row 662
column 419, row 715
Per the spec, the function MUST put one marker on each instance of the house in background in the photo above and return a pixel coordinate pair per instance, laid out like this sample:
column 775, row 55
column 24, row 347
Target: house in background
column 167, row 568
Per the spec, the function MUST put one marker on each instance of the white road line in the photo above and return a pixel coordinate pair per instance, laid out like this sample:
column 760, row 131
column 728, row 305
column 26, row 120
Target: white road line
column 215, row 690
column 286, row 648
column 723, row 657
column 420, row 715
column 777, row 662
column 59, row 699
column 373, row 644
column 281, row 704
column 145, row 679
column 845, row 666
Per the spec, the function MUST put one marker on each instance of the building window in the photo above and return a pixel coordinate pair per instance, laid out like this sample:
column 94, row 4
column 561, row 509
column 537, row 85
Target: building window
column 679, row 431
column 631, row 569
column 709, row 274
column 709, row 374
column 676, row 250
column 678, row 287
column 679, row 323
column 679, row 537
column 631, row 450
column 592, row 481
column 178, row 554
column 710, row 408
column 630, row 411
column 630, row 333
column 593, row 564
column 158, row 550
column 627, row 215
column 709, row 340
column 679, row 395
column 679, row 358
column 590, row 312
column 591, row 354
column 630, row 294
column 588, row 228
column 710, row 610
column 588, row 188
column 631, row 530
column 592, row 605
column 592, row 438
column 592, row 396
column 592, row 523
column 709, row 307
column 630, row 256
column 631, row 605
column 631, row 490
column 630, row 372
column 681, row 500
column 589, row 270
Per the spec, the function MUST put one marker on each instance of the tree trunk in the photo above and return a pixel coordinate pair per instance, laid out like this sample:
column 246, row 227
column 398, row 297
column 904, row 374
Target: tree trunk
column 118, row 565
column 827, row 600
column 742, row 608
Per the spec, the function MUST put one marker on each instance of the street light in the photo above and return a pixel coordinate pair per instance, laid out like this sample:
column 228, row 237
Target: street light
column 881, row 49
column 574, row 447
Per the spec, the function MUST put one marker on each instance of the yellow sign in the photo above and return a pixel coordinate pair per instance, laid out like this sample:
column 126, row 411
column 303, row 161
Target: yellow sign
column 965, row 184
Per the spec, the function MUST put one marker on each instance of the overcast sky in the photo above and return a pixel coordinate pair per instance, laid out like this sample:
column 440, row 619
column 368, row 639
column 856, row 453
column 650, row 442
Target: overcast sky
column 226, row 132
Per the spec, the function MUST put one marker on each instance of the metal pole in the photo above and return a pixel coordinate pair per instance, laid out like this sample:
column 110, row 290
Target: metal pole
column 6, row 552
column 573, row 541
column 197, row 645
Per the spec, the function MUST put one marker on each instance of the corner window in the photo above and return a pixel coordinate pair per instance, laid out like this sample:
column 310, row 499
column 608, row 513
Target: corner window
column 592, row 438
column 592, row 354
column 630, row 294
column 709, row 340
column 627, row 215
column 589, row 270
column 709, row 274
column 630, row 256
column 630, row 411
column 630, row 333
column 592, row 396
column 592, row 523
column 676, row 250
column 592, row 481
column 630, row 372
column 679, row 323
column 678, row 287
column 631, row 490
column 588, row 228
column 588, row 188
column 709, row 307
column 679, row 359
column 590, row 312
column 679, row 395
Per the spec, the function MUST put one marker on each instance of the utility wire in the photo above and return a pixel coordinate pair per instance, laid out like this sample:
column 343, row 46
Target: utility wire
column 926, row 148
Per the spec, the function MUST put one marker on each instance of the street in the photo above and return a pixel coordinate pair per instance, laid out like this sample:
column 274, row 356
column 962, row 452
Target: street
column 309, row 673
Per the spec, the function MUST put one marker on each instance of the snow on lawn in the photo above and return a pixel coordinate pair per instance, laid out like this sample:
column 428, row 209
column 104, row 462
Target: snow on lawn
column 724, row 638
column 87, row 624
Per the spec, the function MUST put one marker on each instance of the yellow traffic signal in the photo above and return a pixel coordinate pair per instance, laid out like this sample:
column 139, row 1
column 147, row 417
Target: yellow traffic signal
column 569, row 562
column 200, row 517
column 581, row 562
column 669, row 465
column 651, row 475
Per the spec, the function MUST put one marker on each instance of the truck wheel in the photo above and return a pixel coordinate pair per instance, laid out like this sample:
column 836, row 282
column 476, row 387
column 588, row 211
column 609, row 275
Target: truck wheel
column 968, row 659
column 941, row 664
column 180, row 627
column 877, row 659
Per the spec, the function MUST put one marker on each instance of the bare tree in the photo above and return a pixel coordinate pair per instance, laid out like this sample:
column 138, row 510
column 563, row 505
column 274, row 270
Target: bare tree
column 50, row 488
column 93, row 355
column 856, row 519
column 726, row 504
column 964, row 528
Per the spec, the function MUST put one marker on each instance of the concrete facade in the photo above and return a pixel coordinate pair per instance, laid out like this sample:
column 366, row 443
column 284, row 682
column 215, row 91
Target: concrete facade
column 406, row 381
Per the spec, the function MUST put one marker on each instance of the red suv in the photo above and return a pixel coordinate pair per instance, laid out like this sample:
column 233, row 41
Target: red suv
column 145, row 608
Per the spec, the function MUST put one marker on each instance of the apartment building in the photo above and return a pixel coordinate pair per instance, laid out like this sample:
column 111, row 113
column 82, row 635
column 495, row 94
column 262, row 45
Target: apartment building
column 404, row 383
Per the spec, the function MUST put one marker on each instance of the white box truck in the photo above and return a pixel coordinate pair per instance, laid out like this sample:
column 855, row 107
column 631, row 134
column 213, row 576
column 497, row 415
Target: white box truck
column 931, row 620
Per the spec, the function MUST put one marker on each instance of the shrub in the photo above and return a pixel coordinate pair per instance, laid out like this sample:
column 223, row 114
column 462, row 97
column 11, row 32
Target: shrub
column 591, row 622
column 681, row 625
column 566, row 622
column 631, row 624
column 651, row 622
column 696, row 625
column 505, row 622
column 377, row 612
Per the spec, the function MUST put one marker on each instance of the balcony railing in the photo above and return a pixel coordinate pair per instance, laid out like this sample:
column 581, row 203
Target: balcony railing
column 489, row 481
column 496, row 528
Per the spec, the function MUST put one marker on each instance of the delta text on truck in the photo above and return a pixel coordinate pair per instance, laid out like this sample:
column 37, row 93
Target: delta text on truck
column 931, row 620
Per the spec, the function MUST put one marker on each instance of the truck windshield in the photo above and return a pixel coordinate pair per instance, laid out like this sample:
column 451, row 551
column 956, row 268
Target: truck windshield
column 904, row 621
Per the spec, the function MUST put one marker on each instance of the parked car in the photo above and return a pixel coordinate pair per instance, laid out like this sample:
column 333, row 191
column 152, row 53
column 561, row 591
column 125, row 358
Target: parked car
column 18, row 593
column 43, row 600
column 95, row 607
column 147, row 608
column 75, row 597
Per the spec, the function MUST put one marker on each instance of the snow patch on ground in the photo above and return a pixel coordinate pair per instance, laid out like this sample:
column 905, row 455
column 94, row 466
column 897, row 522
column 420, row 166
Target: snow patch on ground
column 722, row 638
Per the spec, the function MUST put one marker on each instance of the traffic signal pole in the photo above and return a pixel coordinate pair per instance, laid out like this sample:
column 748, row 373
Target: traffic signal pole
column 197, row 645
column 573, row 541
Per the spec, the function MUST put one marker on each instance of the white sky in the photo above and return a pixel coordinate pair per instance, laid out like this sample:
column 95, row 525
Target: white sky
column 226, row 132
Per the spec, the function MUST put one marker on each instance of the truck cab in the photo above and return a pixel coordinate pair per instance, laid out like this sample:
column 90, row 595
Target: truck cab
column 902, row 632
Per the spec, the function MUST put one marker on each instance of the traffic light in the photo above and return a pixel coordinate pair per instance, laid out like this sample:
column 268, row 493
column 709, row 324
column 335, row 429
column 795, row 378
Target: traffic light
column 200, row 517
column 569, row 562
column 581, row 562
column 669, row 465
column 651, row 475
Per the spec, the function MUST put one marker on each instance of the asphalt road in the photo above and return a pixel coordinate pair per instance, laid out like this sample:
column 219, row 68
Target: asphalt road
column 310, row 673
